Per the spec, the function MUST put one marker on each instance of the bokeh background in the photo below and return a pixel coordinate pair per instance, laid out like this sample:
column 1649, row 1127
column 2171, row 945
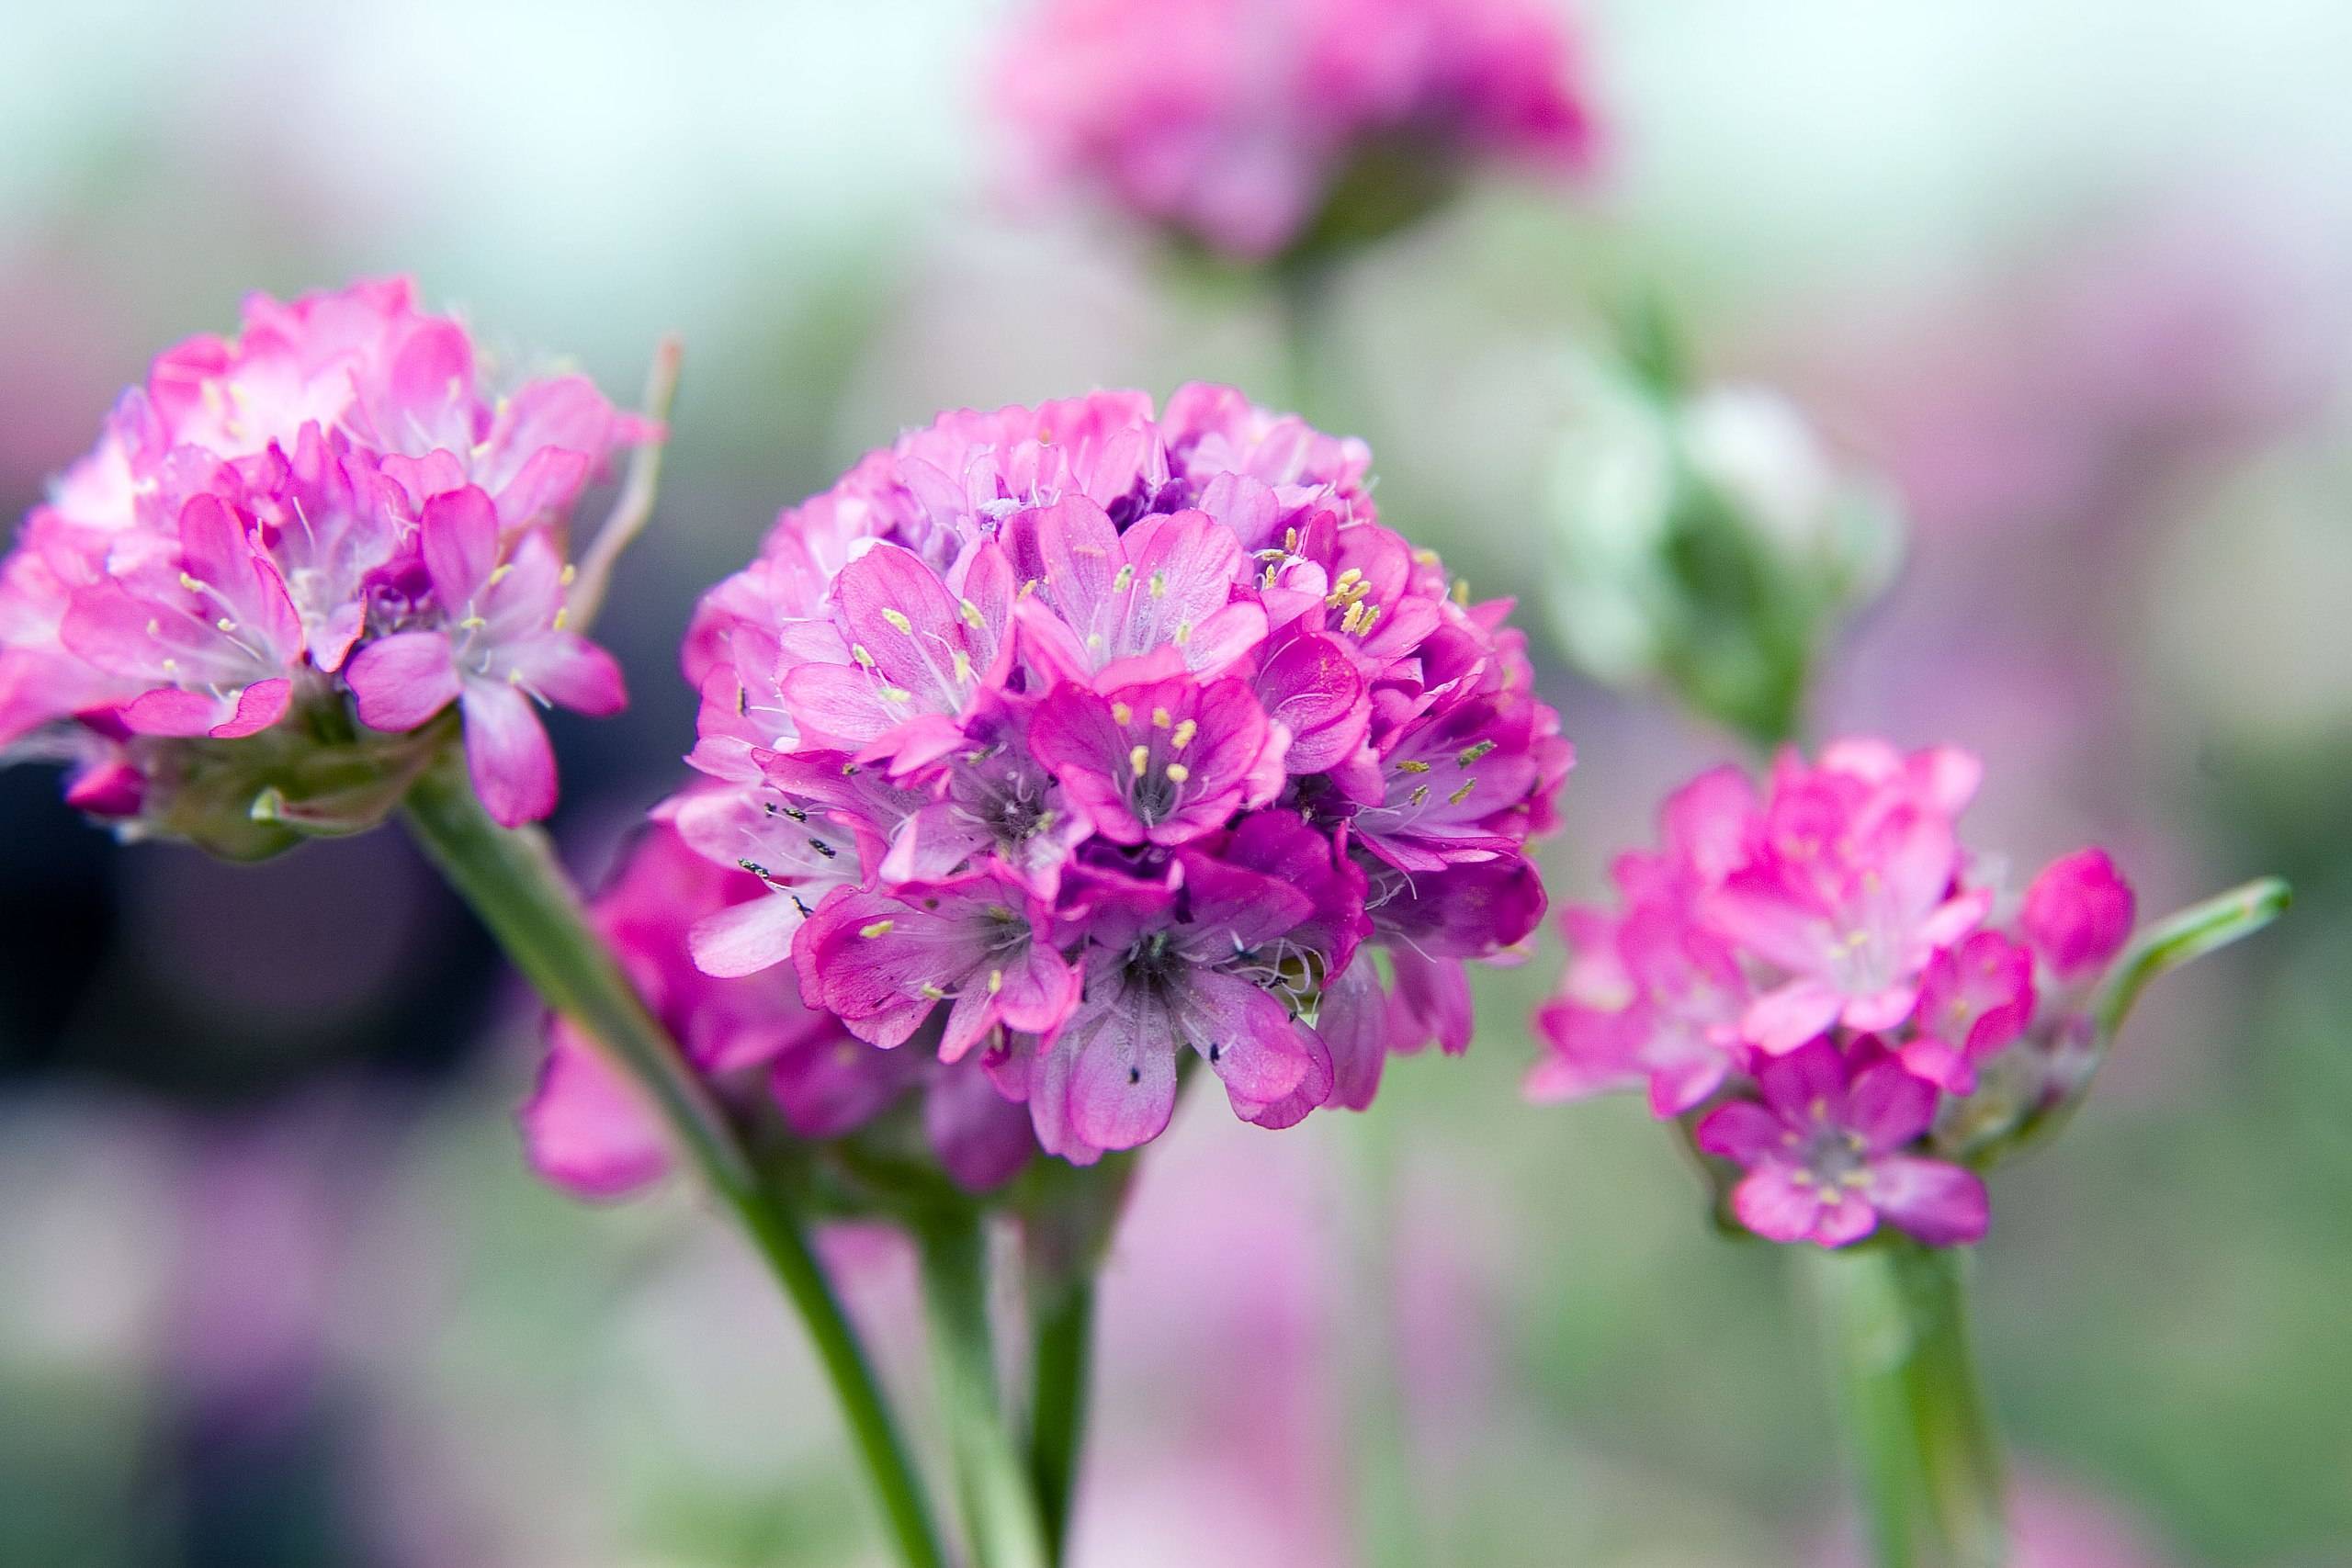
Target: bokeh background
column 275, row 1287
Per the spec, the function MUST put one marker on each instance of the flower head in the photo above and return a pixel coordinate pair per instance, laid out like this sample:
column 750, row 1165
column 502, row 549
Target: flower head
column 1254, row 129
column 1812, row 972
column 1073, row 738
column 331, row 502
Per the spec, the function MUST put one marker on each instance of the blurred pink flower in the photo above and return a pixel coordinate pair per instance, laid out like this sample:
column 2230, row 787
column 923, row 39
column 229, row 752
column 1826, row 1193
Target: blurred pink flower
column 1809, row 972
column 1232, row 123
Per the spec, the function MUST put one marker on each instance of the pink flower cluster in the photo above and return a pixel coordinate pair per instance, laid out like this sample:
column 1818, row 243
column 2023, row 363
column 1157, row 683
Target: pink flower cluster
column 585, row 1127
column 330, row 500
column 1816, row 967
column 1232, row 121
column 1067, row 738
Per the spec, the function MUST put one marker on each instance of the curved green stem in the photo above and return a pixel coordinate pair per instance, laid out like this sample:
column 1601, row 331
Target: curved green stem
column 1000, row 1517
column 1062, row 1368
column 512, row 881
column 1927, row 1460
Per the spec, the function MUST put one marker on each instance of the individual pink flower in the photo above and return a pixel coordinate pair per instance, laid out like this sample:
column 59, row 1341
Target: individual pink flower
column 1821, row 1149
column 495, row 643
column 1851, row 891
column 1067, row 738
column 2078, row 912
column 333, row 499
column 584, row 1125
column 1239, row 124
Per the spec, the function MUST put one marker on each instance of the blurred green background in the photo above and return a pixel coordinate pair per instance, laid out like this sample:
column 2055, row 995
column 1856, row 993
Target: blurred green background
column 275, row 1285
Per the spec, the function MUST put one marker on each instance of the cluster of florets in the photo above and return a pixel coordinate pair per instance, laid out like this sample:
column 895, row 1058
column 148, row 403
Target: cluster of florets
column 587, row 1127
column 1814, row 974
column 1241, row 125
column 1069, row 737
column 328, row 504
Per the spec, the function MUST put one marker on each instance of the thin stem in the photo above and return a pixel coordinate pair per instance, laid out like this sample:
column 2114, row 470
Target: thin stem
column 1927, row 1460
column 1062, row 1368
column 1000, row 1518
column 512, row 881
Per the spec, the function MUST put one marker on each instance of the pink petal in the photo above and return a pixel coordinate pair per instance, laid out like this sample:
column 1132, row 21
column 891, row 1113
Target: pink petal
column 403, row 680
column 259, row 706
column 460, row 537
column 1941, row 1205
column 507, row 754
column 745, row 938
column 1780, row 1020
column 584, row 1127
column 1740, row 1130
column 1774, row 1207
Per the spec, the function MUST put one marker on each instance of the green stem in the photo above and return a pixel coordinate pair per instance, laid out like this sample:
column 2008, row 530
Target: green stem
column 1001, row 1518
column 1926, row 1457
column 1062, row 1368
column 512, row 881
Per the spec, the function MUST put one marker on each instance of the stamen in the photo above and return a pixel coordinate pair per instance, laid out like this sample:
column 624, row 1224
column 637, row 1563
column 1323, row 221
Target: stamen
column 899, row 621
column 879, row 928
column 1184, row 736
column 1471, row 753
column 1139, row 758
column 1121, row 714
column 1178, row 772
column 1160, row 720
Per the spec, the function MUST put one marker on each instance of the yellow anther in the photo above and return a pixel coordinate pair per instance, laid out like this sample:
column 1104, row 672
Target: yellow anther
column 225, row 624
column 896, row 694
column 1121, row 714
column 194, row 585
column 500, row 572
column 1426, row 558
column 1290, row 540
column 932, row 993
column 1459, row 795
column 1353, row 620
column 569, row 575
column 1462, row 591
column 1420, row 796
column 1158, row 589
column 1371, row 614
column 1471, row 753
column 1139, row 758
column 1160, row 719
column 879, row 928
column 963, row 665
column 1183, row 633
column 971, row 613
column 1184, row 736
column 996, row 981
column 1178, row 772
column 154, row 627
column 1125, row 575
column 1410, row 766
column 857, row 651
column 1346, row 579
column 472, row 623
column 562, row 614
column 899, row 621
column 1029, row 588
column 1266, row 582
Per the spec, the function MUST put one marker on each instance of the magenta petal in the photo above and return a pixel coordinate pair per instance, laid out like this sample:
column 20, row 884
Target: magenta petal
column 172, row 712
column 1889, row 1105
column 1775, row 1207
column 1941, row 1205
column 403, row 680
column 507, row 754
column 1780, row 1020
column 458, row 532
column 1123, row 1078
column 259, row 706
column 584, row 1127
column 745, row 938
column 1741, row 1131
